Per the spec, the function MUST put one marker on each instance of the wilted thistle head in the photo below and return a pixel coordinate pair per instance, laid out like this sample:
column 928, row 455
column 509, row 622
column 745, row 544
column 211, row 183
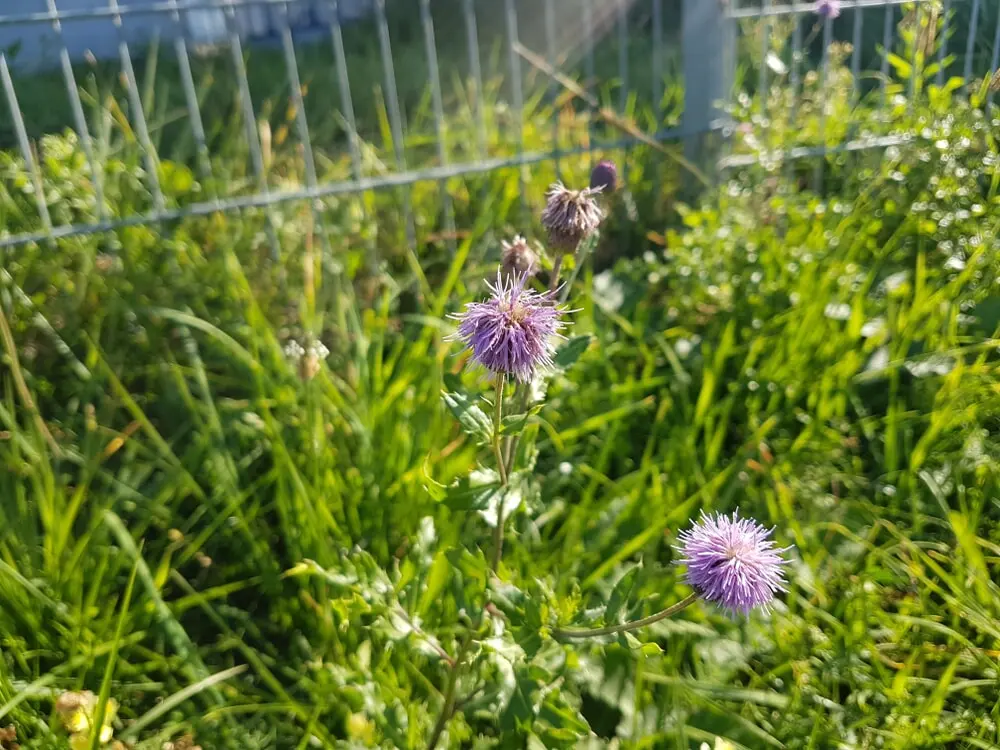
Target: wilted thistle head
column 828, row 8
column 732, row 562
column 518, row 258
column 570, row 215
column 604, row 177
column 512, row 332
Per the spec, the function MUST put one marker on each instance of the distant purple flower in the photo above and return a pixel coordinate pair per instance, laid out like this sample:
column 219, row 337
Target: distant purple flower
column 512, row 332
column 570, row 215
column 731, row 561
column 828, row 8
column 604, row 177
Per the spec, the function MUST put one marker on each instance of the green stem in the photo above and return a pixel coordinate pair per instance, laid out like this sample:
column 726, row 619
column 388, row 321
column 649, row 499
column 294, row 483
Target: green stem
column 626, row 627
column 497, row 425
column 449, row 695
column 502, row 469
column 580, row 255
column 521, row 394
column 556, row 268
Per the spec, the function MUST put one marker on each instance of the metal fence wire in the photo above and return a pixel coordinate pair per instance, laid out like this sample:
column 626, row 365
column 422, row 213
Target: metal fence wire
column 765, row 60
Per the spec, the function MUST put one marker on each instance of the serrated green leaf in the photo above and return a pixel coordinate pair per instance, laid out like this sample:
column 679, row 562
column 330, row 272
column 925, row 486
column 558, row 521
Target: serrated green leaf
column 522, row 708
column 512, row 424
column 571, row 351
column 473, row 419
column 472, row 567
column 464, row 496
column 620, row 595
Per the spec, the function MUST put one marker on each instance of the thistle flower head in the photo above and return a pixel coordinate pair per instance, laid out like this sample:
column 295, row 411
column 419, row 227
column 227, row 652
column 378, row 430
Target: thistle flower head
column 512, row 332
column 828, row 8
column 518, row 258
column 604, row 177
column 570, row 215
column 731, row 561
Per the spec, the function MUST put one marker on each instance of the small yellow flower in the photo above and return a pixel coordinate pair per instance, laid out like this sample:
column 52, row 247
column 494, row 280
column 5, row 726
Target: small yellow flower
column 361, row 728
column 76, row 711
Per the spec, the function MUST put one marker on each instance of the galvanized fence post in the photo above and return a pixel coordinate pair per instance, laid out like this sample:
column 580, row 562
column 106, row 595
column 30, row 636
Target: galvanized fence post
column 706, row 40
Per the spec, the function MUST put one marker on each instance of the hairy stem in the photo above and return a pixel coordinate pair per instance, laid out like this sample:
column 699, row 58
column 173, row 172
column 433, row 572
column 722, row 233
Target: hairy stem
column 556, row 268
column 448, row 708
column 564, row 634
column 502, row 469
column 583, row 250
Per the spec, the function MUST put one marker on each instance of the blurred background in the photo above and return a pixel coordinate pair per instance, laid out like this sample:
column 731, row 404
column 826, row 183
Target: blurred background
column 231, row 232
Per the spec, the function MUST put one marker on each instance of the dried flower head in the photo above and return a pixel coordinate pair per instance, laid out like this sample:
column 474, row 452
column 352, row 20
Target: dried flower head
column 604, row 177
column 512, row 332
column 8, row 738
column 828, row 8
column 518, row 258
column 307, row 359
column 732, row 562
column 570, row 216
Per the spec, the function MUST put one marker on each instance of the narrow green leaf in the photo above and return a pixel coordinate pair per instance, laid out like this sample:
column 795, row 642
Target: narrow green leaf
column 437, row 579
column 513, row 424
column 168, row 704
column 620, row 594
column 903, row 68
column 109, row 670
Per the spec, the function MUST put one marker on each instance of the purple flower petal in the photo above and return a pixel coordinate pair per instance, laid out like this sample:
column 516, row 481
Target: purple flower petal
column 828, row 8
column 512, row 332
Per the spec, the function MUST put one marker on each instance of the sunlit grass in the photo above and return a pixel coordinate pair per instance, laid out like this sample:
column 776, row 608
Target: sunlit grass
column 200, row 527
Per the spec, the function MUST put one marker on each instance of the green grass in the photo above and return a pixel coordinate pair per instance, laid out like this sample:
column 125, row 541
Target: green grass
column 224, row 547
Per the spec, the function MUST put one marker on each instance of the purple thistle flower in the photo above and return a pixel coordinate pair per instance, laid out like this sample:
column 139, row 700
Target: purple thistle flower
column 731, row 561
column 570, row 215
column 828, row 8
column 512, row 332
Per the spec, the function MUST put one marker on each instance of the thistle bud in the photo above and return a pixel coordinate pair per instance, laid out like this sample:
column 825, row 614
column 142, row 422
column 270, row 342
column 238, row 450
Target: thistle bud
column 570, row 216
column 604, row 177
column 518, row 258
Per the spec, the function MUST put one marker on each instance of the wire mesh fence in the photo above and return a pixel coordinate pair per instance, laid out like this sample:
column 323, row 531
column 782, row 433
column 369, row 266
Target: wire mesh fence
column 448, row 85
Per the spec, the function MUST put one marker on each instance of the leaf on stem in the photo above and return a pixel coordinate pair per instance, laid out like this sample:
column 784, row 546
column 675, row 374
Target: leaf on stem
column 571, row 351
column 620, row 595
column 514, row 424
column 473, row 419
column 511, row 497
column 465, row 494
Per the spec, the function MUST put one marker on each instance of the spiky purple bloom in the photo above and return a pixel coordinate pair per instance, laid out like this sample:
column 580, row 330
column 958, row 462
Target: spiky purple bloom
column 828, row 8
column 731, row 561
column 604, row 177
column 570, row 215
column 512, row 333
